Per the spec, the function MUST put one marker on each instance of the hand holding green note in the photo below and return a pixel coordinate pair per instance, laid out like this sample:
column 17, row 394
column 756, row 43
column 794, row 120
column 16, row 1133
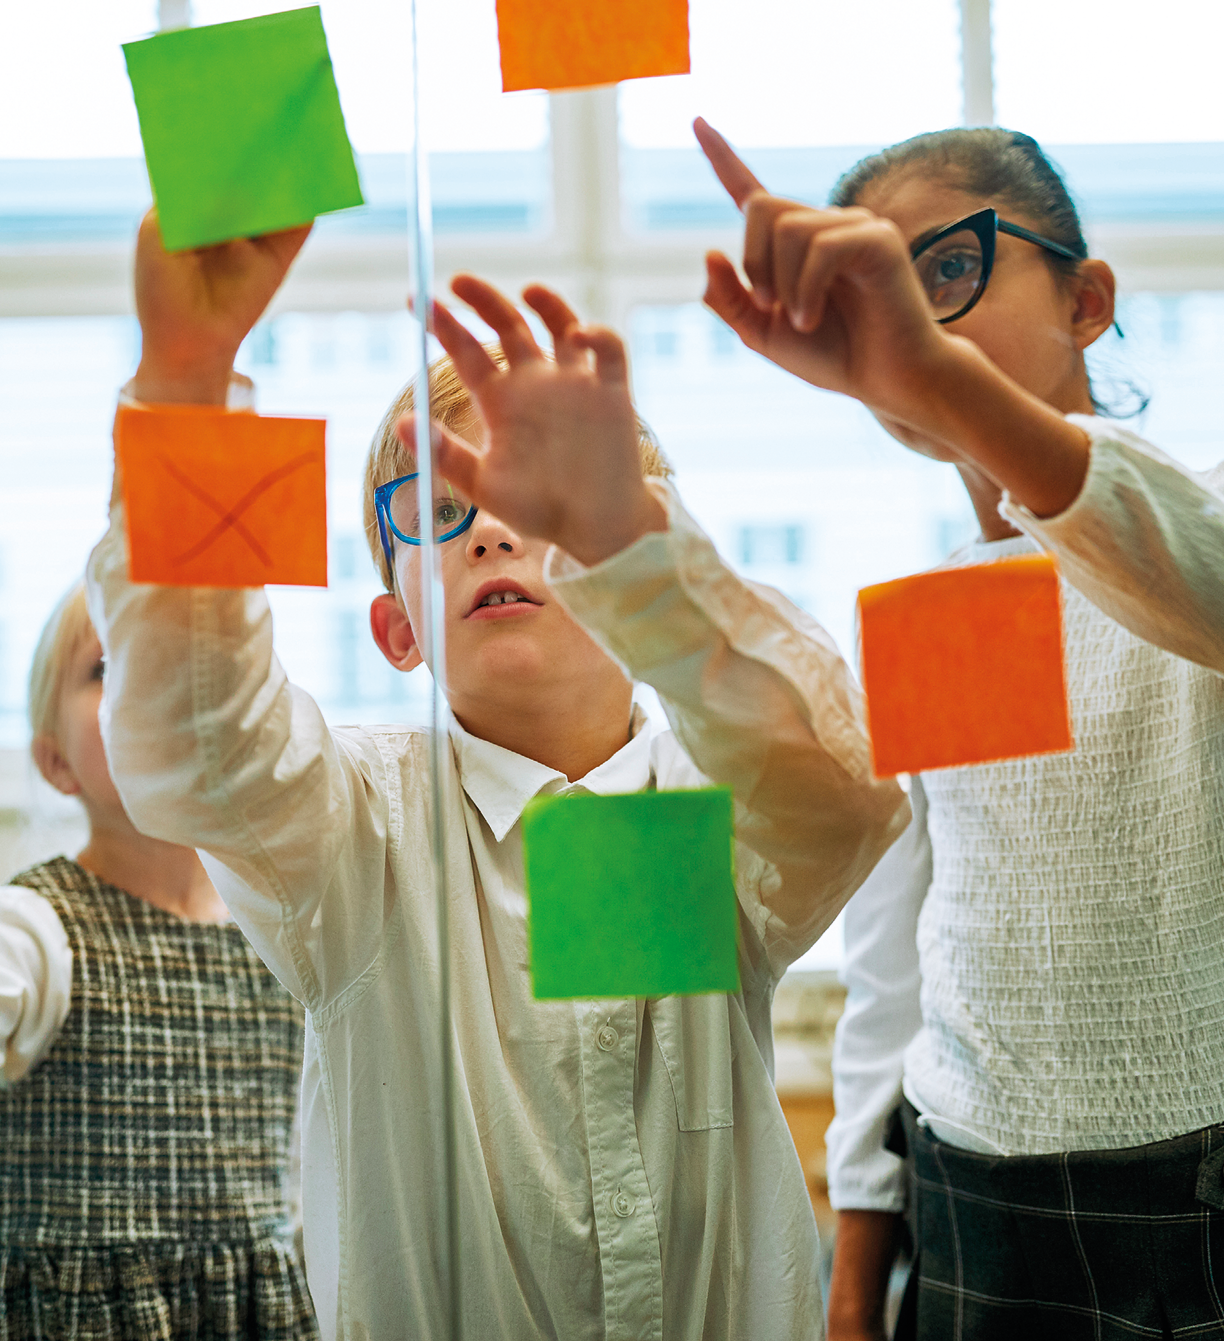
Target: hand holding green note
column 242, row 128
column 631, row 895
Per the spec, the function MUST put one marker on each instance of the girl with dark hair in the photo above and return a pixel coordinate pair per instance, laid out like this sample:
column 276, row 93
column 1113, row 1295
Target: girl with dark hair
column 1036, row 969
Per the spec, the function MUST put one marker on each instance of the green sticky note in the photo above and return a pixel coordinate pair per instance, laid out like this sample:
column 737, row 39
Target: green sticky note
column 242, row 127
column 631, row 895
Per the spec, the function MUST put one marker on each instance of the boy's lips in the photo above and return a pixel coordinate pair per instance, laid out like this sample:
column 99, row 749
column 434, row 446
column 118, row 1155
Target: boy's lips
column 501, row 598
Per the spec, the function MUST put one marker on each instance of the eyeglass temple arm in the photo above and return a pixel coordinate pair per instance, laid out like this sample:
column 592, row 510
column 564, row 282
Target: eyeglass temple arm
column 1015, row 230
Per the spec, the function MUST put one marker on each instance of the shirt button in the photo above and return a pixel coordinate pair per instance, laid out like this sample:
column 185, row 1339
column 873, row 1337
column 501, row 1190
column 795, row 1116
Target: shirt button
column 607, row 1038
column 623, row 1204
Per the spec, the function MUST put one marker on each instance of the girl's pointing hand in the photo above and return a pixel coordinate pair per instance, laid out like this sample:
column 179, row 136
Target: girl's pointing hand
column 833, row 298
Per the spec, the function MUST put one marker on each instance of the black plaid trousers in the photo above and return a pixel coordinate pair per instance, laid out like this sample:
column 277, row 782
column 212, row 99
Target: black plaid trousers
column 1103, row 1245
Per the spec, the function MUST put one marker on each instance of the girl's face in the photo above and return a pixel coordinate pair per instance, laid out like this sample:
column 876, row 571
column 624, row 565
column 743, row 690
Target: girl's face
column 75, row 762
column 1033, row 323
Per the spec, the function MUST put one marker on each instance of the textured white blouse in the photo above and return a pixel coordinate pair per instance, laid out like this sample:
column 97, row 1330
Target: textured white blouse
column 1040, row 960
column 625, row 1170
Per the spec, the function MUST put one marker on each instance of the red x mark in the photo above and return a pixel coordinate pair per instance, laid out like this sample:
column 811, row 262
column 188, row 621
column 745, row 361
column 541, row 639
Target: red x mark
column 229, row 517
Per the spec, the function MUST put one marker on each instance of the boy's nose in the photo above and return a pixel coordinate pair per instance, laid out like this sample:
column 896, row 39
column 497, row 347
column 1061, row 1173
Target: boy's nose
column 488, row 534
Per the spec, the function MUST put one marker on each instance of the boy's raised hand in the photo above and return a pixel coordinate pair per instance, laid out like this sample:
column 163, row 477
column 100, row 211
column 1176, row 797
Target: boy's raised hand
column 560, row 458
column 834, row 297
column 196, row 308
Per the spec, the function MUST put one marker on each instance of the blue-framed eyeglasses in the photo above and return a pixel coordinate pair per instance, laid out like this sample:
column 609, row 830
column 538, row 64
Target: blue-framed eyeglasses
column 400, row 516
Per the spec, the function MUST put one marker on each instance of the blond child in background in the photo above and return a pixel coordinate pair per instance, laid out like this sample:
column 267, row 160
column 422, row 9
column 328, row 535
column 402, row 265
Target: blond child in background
column 624, row 1167
column 150, row 1070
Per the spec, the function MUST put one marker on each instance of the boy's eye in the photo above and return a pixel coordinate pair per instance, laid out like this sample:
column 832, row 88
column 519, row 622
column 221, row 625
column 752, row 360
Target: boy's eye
column 447, row 513
column 98, row 672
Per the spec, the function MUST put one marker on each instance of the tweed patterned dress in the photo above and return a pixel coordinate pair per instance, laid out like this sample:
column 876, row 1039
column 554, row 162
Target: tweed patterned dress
column 143, row 1160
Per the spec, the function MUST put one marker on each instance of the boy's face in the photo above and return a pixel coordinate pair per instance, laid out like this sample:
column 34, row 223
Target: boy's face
column 511, row 646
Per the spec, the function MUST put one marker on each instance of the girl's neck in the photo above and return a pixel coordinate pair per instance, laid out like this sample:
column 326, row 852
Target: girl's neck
column 985, row 495
column 162, row 874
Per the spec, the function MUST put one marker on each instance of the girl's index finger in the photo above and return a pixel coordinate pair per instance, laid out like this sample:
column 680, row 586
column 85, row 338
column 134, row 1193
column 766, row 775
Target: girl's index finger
column 729, row 168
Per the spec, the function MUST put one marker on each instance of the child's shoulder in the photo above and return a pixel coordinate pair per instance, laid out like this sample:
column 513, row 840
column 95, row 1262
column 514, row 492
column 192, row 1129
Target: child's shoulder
column 393, row 747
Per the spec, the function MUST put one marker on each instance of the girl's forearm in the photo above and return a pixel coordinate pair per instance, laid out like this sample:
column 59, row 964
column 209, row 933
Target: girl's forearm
column 1026, row 446
column 863, row 1257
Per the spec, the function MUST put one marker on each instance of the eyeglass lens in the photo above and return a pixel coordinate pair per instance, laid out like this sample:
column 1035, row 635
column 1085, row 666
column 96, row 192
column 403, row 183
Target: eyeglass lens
column 950, row 272
column 449, row 510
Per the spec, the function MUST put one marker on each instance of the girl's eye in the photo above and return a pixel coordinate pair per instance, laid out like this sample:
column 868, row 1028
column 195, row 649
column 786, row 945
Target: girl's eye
column 99, row 669
column 952, row 268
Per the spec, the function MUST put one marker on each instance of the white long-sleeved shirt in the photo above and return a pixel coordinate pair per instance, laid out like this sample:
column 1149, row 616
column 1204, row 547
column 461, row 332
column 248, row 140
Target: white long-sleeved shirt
column 624, row 1167
column 35, row 979
column 1065, row 915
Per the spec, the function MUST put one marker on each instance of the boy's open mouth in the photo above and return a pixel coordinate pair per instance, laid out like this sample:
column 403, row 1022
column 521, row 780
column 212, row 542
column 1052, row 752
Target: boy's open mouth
column 499, row 597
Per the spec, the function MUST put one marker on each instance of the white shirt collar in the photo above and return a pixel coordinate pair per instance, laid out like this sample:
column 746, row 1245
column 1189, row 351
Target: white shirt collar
column 500, row 783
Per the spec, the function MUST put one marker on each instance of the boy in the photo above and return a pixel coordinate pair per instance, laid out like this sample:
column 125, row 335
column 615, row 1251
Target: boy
column 624, row 1167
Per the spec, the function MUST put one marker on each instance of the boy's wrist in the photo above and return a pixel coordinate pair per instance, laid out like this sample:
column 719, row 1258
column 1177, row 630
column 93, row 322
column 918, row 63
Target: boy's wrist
column 167, row 384
column 606, row 535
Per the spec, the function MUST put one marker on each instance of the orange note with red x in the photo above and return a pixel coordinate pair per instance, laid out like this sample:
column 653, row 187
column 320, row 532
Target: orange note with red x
column 555, row 44
column 965, row 666
column 221, row 499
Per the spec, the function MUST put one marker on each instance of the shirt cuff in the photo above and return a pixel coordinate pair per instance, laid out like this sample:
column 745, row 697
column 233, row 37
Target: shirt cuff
column 239, row 396
column 1110, row 447
column 35, row 980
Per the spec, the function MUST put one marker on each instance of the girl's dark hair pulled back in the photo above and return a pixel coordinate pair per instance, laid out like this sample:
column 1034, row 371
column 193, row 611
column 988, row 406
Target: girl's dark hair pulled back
column 1001, row 165
column 1007, row 168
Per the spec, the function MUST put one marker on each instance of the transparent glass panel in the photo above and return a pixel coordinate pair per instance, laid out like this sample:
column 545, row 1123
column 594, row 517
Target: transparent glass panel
column 58, row 382
column 802, row 489
column 798, row 80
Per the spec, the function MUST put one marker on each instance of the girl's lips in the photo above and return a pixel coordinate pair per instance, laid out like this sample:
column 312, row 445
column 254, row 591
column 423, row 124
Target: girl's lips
column 506, row 611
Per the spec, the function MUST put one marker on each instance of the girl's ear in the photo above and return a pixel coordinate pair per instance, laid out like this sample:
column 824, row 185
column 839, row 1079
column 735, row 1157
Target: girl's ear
column 1094, row 303
column 51, row 763
column 393, row 633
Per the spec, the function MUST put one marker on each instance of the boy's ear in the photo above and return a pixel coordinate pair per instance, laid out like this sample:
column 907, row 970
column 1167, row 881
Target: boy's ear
column 393, row 633
column 51, row 763
column 1094, row 302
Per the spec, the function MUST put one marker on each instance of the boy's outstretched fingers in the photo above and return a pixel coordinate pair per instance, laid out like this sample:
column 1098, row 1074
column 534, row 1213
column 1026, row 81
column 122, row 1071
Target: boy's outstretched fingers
column 611, row 365
column 561, row 320
column 455, row 460
column 494, row 308
column 471, row 359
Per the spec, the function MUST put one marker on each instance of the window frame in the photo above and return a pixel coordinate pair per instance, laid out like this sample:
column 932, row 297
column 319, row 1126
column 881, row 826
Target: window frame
column 587, row 252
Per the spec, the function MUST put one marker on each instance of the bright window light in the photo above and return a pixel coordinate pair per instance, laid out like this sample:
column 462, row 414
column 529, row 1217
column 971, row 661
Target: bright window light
column 464, row 107
column 790, row 72
column 1123, row 73
column 64, row 91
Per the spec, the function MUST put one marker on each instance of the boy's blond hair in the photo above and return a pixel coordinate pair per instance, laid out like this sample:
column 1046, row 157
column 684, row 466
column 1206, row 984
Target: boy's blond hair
column 65, row 630
column 451, row 406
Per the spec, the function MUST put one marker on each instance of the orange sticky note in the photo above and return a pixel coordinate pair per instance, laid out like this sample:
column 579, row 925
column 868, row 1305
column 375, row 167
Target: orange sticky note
column 220, row 499
column 554, row 45
column 965, row 666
